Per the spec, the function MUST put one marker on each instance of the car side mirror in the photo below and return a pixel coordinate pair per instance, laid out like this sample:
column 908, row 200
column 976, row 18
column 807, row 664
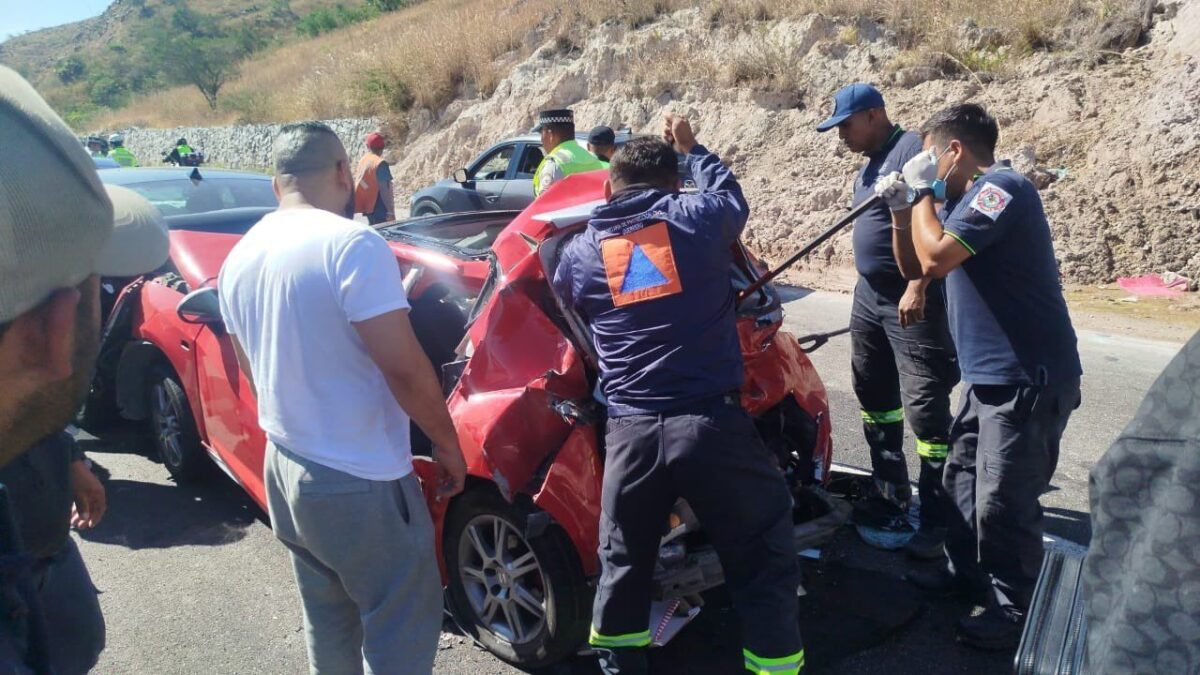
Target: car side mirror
column 461, row 176
column 200, row 307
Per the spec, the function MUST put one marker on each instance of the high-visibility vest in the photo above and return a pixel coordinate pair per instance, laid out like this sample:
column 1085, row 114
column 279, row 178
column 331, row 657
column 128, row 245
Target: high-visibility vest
column 571, row 157
column 184, row 150
column 123, row 156
column 366, row 183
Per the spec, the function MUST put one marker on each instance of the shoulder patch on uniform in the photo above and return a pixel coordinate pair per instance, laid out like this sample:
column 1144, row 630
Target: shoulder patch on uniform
column 640, row 265
column 991, row 200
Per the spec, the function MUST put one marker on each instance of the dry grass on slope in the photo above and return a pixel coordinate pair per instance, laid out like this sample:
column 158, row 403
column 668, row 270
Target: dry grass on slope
column 427, row 55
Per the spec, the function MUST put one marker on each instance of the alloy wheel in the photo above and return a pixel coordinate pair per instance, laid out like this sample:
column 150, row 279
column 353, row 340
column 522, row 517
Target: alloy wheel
column 503, row 579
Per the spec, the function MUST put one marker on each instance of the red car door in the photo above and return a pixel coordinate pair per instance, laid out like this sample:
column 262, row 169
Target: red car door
column 230, row 412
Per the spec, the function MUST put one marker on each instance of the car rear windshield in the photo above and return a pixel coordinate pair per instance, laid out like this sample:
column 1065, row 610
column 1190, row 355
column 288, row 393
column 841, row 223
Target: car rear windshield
column 184, row 196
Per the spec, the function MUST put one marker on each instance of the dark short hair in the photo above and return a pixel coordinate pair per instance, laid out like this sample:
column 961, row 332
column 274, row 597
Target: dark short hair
column 303, row 147
column 969, row 124
column 645, row 160
column 4, row 328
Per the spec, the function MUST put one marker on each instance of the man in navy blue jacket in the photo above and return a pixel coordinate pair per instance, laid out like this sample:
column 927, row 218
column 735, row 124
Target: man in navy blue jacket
column 651, row 277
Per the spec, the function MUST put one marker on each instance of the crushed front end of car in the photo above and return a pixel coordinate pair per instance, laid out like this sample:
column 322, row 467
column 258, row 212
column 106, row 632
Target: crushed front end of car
column 519, row 547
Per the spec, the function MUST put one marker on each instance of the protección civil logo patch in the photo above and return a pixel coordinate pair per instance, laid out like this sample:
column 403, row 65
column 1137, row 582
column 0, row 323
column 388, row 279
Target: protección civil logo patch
column 991, row 200
column 640, row 265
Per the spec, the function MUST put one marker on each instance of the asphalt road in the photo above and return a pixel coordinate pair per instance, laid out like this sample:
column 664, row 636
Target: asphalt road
column 193, row 581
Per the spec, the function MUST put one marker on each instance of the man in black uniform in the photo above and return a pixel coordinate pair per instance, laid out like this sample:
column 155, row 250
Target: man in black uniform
column 650, row 276
column 902, row 358
column 52, row 489
column 991, row 241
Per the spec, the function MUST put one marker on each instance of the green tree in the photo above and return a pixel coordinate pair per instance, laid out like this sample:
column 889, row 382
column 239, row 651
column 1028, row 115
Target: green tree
column 70, row 69
column 389, row 5
column 107, row 92
column 193, row 48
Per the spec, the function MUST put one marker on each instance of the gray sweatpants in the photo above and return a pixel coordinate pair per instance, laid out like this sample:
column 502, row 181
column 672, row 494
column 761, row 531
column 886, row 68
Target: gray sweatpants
column 363, row 555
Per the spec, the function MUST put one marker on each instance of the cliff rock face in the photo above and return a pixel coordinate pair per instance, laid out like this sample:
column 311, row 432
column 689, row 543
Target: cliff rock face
column 1114, row 145
column 1112, row 137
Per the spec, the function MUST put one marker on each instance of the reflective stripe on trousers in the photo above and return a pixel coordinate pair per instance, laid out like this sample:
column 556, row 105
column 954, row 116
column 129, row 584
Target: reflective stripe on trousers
column 789, row 665
column 640, row 639
column 884, row 416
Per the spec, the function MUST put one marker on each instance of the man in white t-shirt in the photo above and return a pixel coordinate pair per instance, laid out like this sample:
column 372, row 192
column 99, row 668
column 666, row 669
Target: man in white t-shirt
column 318, row 314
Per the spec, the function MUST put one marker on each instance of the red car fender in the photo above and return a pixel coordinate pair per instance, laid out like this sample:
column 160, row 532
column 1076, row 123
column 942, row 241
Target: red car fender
column 426, row 472
column 159, row 325
column 503, row 405
column 776, row 367
column 571, row 494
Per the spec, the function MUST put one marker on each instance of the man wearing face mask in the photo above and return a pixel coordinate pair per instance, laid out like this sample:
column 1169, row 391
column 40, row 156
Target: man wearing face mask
column 902, row 358
column 1017, row 349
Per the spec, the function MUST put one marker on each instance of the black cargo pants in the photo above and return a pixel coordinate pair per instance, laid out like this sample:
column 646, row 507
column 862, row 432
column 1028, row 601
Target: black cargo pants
column 901, row 372
column 1006, row 442
column 711, row 455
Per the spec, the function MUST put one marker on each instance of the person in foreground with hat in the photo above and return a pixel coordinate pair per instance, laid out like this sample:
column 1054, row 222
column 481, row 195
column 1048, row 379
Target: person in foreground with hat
column 901, row 356
column 373, row 196
column 602, row 142
column 52, row 255
column 564, row 155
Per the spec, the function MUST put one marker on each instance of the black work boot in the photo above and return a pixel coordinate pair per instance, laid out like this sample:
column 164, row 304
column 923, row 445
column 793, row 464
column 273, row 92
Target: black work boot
column 996, row 629
column 941, row 581
column 929, row 543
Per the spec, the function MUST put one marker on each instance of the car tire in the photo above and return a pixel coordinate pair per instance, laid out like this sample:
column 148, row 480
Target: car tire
column 487, row 599
column 173, row 428
column 426, row 208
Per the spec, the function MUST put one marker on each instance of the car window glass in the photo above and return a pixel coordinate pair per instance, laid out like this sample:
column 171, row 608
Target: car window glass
column 175, row 197
column 495, row 166
column 529, row 161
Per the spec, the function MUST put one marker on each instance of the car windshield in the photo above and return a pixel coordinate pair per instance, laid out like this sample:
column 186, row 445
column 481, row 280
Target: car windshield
column 212, row 193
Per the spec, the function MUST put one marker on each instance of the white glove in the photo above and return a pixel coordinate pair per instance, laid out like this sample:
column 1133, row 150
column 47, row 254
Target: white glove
column 893, row 190
column 921, row 171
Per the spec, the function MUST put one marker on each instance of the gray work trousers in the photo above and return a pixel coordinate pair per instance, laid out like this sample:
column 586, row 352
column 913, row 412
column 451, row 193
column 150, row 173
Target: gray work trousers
column 1005, row 449
column 365, row 566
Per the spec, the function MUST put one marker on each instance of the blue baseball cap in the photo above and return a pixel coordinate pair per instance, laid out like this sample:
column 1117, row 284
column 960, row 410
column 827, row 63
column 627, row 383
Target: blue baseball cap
column 851, row 99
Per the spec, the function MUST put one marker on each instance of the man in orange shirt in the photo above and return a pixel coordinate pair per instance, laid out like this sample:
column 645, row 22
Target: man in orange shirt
column 373, row 195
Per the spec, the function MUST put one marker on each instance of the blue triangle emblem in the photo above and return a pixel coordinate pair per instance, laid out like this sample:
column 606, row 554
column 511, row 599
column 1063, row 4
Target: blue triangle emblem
column 641, row 273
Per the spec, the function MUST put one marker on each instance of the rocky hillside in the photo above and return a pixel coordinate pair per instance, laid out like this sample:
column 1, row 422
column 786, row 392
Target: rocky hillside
column 89, row 66
column 1113, row 135
column 1098, row 101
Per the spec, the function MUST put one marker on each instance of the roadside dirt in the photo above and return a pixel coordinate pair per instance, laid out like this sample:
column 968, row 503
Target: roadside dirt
column 1108, row 309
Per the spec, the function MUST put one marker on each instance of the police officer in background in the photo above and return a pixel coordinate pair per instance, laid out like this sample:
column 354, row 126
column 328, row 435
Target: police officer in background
column 981, row 225
column 564, row 155
column 902, row 357
column 650, row 277
column 602, row 142
column 119, row 153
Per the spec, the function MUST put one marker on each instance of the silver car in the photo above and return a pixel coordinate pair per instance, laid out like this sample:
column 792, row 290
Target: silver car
column 499, row 179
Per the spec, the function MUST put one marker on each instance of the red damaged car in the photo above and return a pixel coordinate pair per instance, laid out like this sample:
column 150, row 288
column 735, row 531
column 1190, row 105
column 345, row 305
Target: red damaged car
column 518, row 547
